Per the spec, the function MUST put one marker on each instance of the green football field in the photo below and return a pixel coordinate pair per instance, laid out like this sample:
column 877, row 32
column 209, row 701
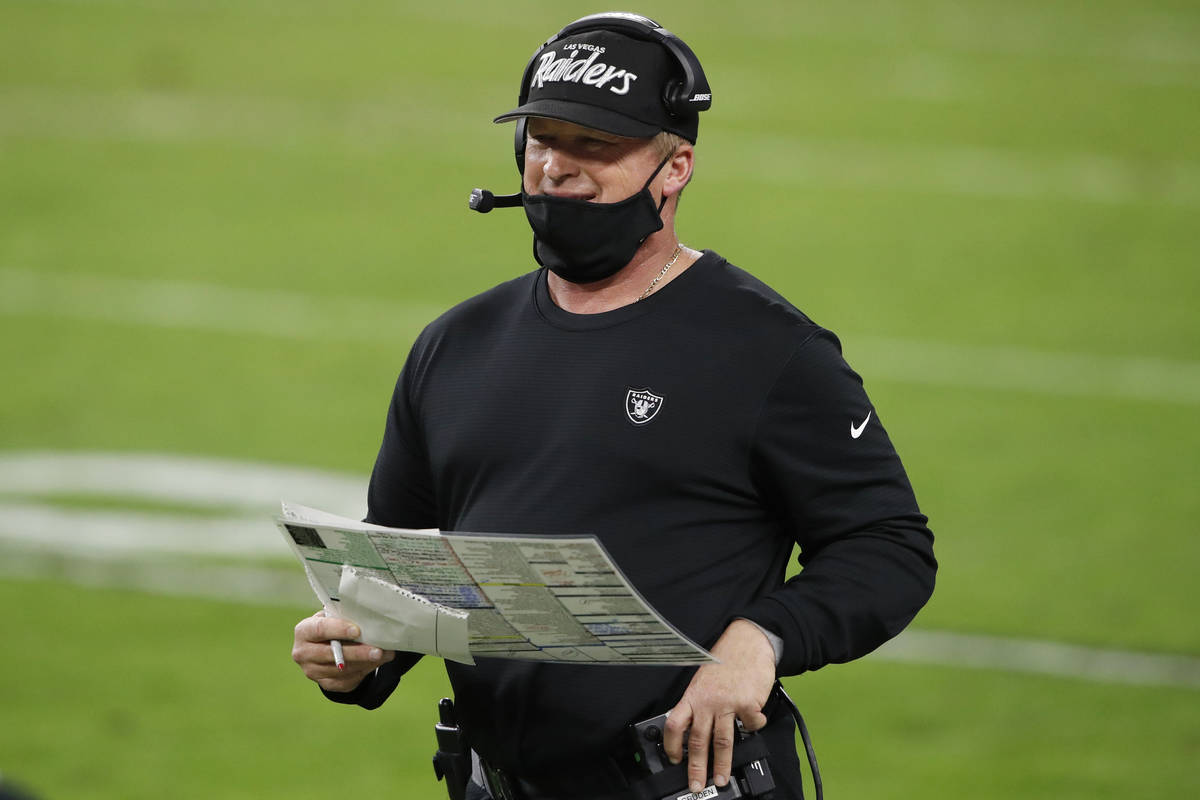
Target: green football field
column 222, row 224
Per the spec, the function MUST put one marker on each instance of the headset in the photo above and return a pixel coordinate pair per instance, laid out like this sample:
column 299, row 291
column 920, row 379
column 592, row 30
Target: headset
column 681, row 98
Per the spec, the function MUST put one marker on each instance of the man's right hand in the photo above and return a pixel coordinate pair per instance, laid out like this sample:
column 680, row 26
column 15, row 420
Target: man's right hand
column 311, row 650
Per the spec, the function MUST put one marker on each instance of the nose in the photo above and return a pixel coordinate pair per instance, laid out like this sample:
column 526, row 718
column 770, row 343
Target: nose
column 558, row 166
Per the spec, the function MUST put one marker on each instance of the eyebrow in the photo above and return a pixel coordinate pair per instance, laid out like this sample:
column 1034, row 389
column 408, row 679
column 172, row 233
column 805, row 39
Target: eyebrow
column 585, row 133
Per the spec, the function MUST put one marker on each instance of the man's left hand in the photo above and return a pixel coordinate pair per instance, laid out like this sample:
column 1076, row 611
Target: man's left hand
column 737, row 688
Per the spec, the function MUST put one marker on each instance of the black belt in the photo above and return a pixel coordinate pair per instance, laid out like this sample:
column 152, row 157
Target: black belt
column 503, row 785
column 606, row 783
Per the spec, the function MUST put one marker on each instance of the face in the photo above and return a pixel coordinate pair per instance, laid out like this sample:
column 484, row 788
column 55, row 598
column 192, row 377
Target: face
column 567, row 160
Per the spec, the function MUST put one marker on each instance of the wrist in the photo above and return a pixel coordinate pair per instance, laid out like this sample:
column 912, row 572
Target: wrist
column 773, row 642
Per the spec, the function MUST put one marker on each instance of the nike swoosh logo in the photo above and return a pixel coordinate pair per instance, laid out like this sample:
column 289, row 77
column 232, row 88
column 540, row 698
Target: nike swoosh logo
column 857, row 430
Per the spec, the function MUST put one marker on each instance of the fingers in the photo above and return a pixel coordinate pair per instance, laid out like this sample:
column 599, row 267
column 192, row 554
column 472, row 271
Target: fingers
column 701, row 730
column 706, row 732
column 706, row 729
column 679, row 719
column 722, row 748
column 312, row 651
column 318, row 664
column 754, row 720
column 366, row 655
column 698, row 739
column 320, row 628
column 319, row 657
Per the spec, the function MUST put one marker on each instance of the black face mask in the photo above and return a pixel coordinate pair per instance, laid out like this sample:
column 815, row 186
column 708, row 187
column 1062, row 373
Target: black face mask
column 584, row 242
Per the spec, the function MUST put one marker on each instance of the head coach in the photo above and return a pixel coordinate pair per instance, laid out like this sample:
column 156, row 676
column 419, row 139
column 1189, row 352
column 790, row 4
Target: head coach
column 664, row 400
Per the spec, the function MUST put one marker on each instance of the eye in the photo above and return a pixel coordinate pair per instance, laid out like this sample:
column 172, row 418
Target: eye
column 539, row 144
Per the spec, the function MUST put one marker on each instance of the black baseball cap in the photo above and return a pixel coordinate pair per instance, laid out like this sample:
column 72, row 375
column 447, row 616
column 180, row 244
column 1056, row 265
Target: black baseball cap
column 605, row 80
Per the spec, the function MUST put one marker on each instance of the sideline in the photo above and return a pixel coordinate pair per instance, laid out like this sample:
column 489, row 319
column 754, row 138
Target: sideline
column 165, row 552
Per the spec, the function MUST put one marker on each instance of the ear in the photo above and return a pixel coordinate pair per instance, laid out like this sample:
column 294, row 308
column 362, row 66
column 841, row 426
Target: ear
column 678, row 170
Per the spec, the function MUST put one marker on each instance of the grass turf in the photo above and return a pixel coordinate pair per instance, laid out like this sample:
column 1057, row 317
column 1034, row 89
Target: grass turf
column 978, row 174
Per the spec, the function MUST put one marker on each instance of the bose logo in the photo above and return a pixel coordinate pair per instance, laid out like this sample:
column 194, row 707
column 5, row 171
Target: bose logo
column 701, row 97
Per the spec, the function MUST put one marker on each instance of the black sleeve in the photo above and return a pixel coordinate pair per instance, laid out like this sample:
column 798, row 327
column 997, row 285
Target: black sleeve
column 400, row 496
column 377, row 686
column 865, row 547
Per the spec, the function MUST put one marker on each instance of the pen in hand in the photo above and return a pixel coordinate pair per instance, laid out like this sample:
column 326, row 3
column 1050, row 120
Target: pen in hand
column 335, row 645
column 339, row 658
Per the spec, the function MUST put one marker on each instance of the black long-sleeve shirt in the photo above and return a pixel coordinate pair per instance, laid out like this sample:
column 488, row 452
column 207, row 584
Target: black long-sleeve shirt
column 700, row 434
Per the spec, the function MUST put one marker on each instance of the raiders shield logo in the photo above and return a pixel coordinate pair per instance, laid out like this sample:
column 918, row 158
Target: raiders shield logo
column 641, row 405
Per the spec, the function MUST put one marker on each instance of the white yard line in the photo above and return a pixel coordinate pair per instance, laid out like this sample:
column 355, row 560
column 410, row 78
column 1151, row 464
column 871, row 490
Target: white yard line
column 103, row 533
column 294, row 315
column 237, row 583
column 964, row 170
column 1022, row 369
column 154, row 551
column 215, row 483
column 242, row 498
column 208, row 307
column 1102, row 665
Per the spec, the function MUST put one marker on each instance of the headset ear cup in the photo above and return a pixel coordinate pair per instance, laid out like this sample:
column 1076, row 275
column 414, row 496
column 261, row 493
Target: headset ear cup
column 519, row 135
column 674, row 98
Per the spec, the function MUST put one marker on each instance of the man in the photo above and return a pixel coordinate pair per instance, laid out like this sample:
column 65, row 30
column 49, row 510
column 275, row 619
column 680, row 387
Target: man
column 667, row 402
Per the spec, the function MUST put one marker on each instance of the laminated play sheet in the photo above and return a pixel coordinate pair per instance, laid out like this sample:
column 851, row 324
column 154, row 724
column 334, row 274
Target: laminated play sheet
column 464, row 595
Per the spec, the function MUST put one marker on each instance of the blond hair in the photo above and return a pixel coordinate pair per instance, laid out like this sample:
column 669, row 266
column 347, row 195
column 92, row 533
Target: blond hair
column 665, row 144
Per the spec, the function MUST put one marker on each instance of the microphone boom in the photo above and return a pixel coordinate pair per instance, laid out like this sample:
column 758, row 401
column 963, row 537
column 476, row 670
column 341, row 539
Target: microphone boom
column 483, row 201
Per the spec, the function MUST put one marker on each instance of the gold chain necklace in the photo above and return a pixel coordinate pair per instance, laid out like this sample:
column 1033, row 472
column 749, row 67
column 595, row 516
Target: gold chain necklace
column 659, row 276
